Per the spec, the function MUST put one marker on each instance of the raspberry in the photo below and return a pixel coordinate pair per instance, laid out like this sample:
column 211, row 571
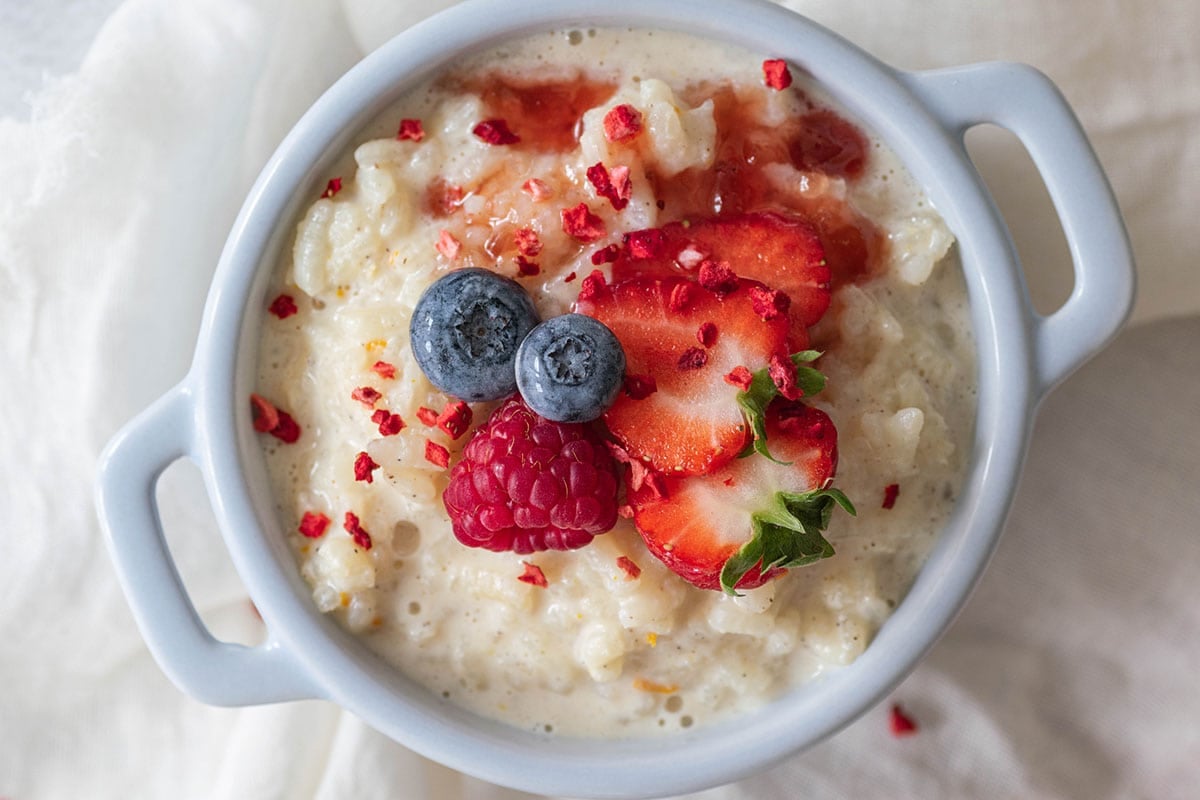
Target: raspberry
column 525, row 483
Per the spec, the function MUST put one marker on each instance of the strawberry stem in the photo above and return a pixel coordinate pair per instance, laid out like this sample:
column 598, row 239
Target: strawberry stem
column 754, row 400
column 786, row 534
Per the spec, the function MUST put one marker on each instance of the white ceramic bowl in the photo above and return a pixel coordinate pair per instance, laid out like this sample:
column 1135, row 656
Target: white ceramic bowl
column 922, row 116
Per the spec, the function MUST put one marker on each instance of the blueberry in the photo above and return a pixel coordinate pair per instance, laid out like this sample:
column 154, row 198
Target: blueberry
column 465, row 332
column 570, row 368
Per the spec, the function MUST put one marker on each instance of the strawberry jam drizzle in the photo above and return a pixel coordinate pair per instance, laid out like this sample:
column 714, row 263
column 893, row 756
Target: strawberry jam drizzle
column 816, row 141
column 545, row 114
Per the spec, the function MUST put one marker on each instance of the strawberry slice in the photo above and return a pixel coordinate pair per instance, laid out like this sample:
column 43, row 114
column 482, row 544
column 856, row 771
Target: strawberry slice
column 752, row 519
column 783, row 252
column 691, row 423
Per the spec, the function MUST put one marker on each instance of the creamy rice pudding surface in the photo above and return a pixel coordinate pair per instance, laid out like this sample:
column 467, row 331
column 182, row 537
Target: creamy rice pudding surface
column 597, row 651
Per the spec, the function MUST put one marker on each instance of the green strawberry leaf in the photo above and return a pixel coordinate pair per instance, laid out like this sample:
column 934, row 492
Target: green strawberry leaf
column 754, row 400
column 787, row 534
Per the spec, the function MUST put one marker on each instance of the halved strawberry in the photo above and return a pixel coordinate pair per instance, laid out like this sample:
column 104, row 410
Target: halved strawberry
column 783, row 252
column 691, row 423
column 745, row 523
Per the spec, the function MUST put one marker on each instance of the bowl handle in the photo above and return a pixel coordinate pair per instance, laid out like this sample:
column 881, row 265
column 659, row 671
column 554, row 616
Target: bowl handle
column 212, row 671
column 1024, row 101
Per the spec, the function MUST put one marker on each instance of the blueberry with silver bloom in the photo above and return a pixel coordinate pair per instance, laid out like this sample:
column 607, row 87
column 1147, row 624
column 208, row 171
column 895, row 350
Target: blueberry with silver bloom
column 570, row 368
column 465, row 332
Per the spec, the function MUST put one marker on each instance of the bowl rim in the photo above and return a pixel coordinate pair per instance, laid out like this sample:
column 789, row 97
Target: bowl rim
column 707, row 756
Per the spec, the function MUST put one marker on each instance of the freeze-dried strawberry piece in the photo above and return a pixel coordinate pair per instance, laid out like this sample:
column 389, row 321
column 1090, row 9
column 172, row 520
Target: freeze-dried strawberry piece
column 263, row 413
column 455, row 418
column 900, row 723
column 384, row 370
column 288, row 430
column 364, row 465
column 622, row 123
column 776, row 73
column 612, row 185
column 332, row 188
column 629, row 566
column 716, row 276
column 593, row 287
column 411, row 129
column 890, row 493
column 740, row 377
column 782, row 372
column 436, row 454
column 580, row 223
column 527, row 242
column 533, row 575
column 447, row 245
column 706, row 334
column 527, row 268
column 389, row 424
column 283, row 306
column 538, row 189
column 649, row 243
column 680, row 298
column 639, row 387
column 606, row 255
column 769, row 303
column 366, row 395
column 495, row 132
column 570, row 277
column 313, row 524
column 427, row 416
column 354, row 527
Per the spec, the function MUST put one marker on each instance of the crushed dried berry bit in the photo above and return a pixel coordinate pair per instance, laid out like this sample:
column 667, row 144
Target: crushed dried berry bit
column 657, row 485
column 427, row 416
column 527, row 268
column 354, row 527
column 527, row 241
column 455, row 418
column 389, row 424
column 622, row 123
column 593, row 286
column 644, row 685
column 436, row 454
column 366, row 395
column 650, row 243
column 283, row 306
column 769, row 303
column 890, row 493
column 364, row 465
column 332, row 188
column 447, row 245
column 495, row 132
column 639, row 474
column 533, row 575
column 782, row 372
column 706, row 334
column 263, row 413
column 411, row 129
column 693, row 358
column 612, row 185
column 776, row 73
column 740, row 377
column 288, row 430
column 717, row 277
column 384, row 370
column 313, row 524
column 538, row 189
column 625, row 511
column 900, row 722
column 630, row 568
column 570, row 277
column 681, row 297
column 606, row 255
column 639, row 387
column 580, row 223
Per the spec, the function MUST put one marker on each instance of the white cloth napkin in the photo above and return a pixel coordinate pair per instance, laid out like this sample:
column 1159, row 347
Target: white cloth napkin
column 1070, row 673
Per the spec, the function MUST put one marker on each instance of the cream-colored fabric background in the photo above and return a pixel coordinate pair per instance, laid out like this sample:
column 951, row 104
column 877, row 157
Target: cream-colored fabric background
column 125, row 150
